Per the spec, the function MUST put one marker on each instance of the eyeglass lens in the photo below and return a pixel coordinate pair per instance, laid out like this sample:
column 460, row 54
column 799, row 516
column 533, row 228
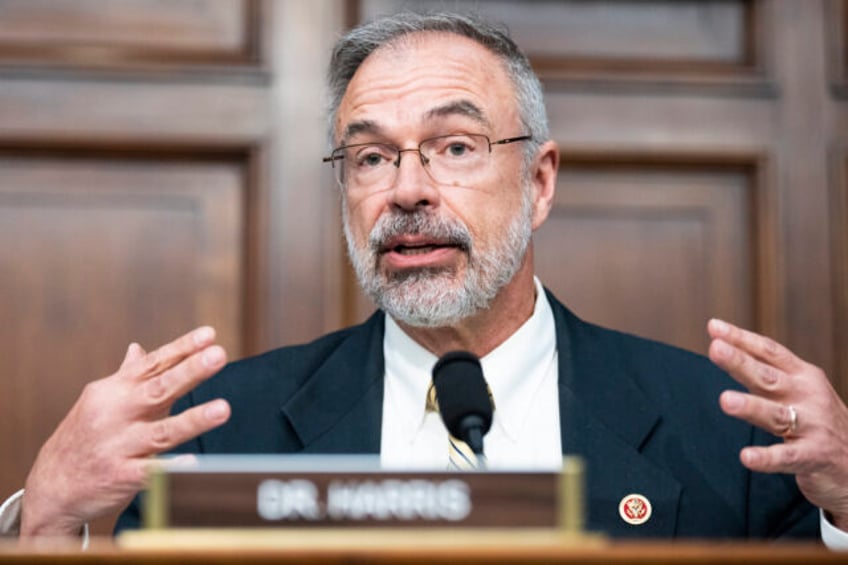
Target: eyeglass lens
column 449, row 159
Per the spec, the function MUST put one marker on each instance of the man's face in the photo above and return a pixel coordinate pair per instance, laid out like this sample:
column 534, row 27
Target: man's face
column 429, row 253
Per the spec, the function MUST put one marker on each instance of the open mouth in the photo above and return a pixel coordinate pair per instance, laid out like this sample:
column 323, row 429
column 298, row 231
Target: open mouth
column 417, row 251
column 417, row 244
column 421, row 249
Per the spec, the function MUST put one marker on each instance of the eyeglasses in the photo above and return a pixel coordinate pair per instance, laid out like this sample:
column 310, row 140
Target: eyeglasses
column 454, row 159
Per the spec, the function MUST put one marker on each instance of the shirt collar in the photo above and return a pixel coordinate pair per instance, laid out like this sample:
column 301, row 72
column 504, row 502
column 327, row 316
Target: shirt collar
column 514, row 370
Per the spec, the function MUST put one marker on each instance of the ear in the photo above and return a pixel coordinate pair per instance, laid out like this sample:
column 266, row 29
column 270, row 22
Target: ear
column 543, row 178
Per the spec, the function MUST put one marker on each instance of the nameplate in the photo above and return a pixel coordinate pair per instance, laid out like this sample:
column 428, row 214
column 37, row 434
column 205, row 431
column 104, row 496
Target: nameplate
column 334, row 491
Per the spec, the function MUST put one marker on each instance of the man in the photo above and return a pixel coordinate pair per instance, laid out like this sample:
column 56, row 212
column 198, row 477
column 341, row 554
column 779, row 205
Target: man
column 446, row 168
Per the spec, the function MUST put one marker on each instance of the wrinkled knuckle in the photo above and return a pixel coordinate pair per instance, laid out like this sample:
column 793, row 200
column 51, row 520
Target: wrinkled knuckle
column 791, row 456
column 771, row 348
column 780, row 420
column 160, row 435
column 156, row 389
column 769, row 378
column 151, row 364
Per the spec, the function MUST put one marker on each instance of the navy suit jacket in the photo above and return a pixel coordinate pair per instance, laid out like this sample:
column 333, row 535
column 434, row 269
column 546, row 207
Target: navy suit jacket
column 643, row 415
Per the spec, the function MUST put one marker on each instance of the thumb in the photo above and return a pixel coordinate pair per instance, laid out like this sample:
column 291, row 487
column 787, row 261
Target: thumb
column 134, row 353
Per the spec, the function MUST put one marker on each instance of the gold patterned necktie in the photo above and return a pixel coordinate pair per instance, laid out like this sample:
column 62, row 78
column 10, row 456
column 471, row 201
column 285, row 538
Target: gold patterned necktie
column 460, row 455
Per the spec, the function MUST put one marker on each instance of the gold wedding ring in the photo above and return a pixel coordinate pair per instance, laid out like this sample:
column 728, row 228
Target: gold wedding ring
column 793, row 422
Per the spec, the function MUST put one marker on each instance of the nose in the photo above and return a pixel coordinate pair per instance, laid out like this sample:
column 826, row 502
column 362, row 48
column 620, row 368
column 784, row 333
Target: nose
column 413, row 187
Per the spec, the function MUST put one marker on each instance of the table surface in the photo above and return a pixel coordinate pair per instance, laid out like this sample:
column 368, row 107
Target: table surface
column 213, row 547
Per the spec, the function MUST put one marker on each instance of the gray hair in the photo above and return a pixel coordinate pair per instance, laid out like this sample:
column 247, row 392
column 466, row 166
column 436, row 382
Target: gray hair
column 354, row 47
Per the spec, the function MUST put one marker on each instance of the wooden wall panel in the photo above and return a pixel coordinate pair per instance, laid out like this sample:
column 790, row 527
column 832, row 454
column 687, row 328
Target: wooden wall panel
column 839, row 246
column 101, row 251
column 654, row 248
column 838, row 51
column 682, row 42
column 141, row 135
column 802, row 140
column 836, row 27
column 134, row 32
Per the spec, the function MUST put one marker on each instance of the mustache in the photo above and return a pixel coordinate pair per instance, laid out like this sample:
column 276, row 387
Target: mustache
column 443, row 230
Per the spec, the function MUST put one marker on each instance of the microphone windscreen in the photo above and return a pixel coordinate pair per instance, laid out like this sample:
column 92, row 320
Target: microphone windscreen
column 461, row 391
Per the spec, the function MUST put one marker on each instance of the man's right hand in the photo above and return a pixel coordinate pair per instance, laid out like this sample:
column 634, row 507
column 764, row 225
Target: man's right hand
column 99, row 456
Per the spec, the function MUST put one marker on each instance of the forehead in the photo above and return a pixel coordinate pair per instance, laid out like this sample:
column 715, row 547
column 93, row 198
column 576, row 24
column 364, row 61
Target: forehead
column 426, row 78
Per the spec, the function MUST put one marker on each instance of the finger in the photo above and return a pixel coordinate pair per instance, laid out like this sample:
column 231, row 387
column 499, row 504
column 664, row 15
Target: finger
column 182, row 461
column 756, row 376
column 153, row 438
column 773, row 417
column 165, row 357
column 778, row 458
column 134, row 353
column 162, row 390
column 150, row 465
column 758, row 346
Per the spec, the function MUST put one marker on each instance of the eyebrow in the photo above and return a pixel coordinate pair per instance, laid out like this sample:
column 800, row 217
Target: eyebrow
column 459, row 108
column 456, row 108
column 361, row 126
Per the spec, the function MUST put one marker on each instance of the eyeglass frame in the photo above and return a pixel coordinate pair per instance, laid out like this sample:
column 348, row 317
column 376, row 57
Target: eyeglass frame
column 332, row 158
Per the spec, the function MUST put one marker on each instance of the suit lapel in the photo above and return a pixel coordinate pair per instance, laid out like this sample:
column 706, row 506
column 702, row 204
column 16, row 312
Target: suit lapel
column 340, row 408
column 606, row 418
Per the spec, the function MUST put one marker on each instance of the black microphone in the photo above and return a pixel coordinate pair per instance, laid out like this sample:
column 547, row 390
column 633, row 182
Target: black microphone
column 463, row 396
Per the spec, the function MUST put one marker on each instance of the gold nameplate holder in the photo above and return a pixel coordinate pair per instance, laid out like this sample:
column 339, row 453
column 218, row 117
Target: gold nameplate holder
column 218, row 494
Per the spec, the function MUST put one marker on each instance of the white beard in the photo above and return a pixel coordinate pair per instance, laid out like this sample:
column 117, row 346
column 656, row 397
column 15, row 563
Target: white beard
column 438, row 297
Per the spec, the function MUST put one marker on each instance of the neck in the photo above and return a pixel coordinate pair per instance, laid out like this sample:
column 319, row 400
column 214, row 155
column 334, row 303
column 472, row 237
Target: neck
column 483, row 332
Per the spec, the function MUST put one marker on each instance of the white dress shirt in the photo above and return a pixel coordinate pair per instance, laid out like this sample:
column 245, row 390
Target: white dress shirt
column 522, row 375
column 10, row 519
